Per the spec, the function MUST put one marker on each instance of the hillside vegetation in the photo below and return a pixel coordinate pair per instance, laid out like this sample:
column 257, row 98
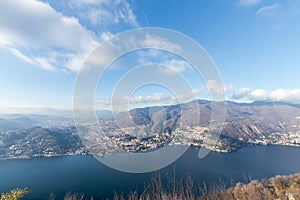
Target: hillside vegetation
column 278, row 187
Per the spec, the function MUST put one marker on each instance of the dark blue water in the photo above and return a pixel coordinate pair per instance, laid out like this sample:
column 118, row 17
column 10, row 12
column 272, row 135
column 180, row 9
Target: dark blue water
column 84, row 174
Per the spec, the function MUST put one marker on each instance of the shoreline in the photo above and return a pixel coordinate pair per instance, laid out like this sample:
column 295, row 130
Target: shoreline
column 191, row 146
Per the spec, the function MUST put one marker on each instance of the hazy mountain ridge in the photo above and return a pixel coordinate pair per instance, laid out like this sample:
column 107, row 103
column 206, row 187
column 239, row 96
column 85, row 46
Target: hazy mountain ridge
column 243, row 120
column 245, row 124
column 142, row 129
column 18, row 122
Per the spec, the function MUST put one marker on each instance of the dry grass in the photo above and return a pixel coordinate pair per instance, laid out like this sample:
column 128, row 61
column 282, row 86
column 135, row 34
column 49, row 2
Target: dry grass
column 279, row 187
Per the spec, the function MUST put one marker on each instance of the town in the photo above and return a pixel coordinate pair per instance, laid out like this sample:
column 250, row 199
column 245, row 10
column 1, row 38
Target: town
column 66, row 140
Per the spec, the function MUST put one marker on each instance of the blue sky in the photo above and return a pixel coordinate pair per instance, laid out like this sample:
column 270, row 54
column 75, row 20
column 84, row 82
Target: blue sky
column 254, row 43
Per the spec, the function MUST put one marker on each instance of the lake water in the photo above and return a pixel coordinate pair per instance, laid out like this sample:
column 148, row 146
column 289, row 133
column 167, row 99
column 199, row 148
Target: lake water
column 84, row 174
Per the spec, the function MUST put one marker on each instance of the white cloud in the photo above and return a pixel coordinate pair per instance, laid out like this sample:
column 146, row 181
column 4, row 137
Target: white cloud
column 164, row 99
column 37, row 34
column 136, row 101
column 156, row 98
column 20, row 55
column 106, row 35
column 283, row 95
column 34, row 24
column 249, row 2
column 43, row 63
column 217, row 88
column 240, row 94
column 152, row 56
column 258, row 94
column 106, row 12
column 159, row 42
column 38, row 61
column 175, row 66
column 268, row 11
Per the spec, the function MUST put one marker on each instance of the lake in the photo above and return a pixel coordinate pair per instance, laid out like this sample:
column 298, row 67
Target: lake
column 84, row 174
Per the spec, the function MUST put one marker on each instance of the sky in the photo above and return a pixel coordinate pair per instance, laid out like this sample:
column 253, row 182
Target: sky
column 255, row 45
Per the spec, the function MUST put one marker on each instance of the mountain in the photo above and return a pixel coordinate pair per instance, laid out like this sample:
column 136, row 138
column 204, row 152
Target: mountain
column 243, row 120
column 153, row 127
column 15, row 123
column 260, row 119
column 37, row 141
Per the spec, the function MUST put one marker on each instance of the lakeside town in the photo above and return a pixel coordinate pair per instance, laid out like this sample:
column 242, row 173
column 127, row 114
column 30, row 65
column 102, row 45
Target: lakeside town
column 60, row 141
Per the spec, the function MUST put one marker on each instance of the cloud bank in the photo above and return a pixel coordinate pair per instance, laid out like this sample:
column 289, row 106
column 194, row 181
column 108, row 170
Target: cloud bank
column 282, row 95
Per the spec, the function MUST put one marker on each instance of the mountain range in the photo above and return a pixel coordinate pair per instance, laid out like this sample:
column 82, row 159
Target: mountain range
column 243, row 120
column 245, row 124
